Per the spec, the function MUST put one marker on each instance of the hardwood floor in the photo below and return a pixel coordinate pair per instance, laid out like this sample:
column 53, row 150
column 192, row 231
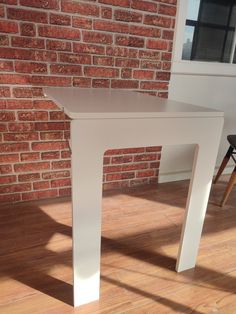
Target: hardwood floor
column 140, row 235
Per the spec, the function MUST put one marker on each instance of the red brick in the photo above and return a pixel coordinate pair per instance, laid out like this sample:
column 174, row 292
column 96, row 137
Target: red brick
column 7, row 116
column 128, row 16
column 90, row 49
column 150, row 64
column 28, row 29
column 44, row 146
column 144, row 54
column 3, row 127
column 44, row 104
column 155, row 164
column 41, row 185
column 10, row 198
column 82, row 22
column 2, row 104
column 106, row 12
column 65, row 69
column 29, row 156
column 45, row 126
column 126, row 73
column 154, row 85
column 13, row 147
column 60, row 19
column 143, row 74
column 146, row 173
column 8, row 27
column 101, row 83
column 63, row 164
column 121, row 159
column 59, row 32
column 130, row 41
column 21, row 137
column 6, row 158
column 7, row 179
column 75, row 58
column 120, row 3
column 107, row 61
column 50, row 155
column 5, row 92
column 58, row 45
column 28, row 177
column 5, row 169
column 26, row 42
column 14, row 79
column 34, row 166
column 2, row 11
column 154, row 149
column 134, row 166
column 157, row 20
column 82, row 82
column 124, row 84
column 80, row 8
column 157, row 44
column 65, row 192
column 51, row 81
column 60, row 182
column 30, row 67
column 43, row 4
column 21, row 127
column 32, row 115
column 96, row 37
column 45, row 56
column 13, row 188
column 129, row 63
column 144, row 5
column 125, row 151
column 13, row 53
column 168, row 34
column 108, row 169
column 166, row 66
column 55, row 174
column 166, row 56
column 51, row 135
column 139, row 182
column 111, row 26
column 117, row 51
column 101, row 72
column 58, row 115
column 4, row 40
column 6, row 66
column 120, row 176
column 65, row 154
column 39, row 195
column 167, row 10
column 145, row 157
column 144, row 31
column 169, row 1
column 163, row 76
column 27, row 15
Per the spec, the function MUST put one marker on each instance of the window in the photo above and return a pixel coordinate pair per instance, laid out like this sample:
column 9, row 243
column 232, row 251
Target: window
column 210, row 33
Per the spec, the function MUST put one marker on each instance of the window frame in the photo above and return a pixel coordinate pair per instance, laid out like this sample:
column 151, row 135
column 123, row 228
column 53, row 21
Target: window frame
column 180, row 66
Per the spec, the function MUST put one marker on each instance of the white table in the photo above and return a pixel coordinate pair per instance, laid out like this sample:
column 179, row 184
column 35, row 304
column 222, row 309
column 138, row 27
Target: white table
column 106, row 119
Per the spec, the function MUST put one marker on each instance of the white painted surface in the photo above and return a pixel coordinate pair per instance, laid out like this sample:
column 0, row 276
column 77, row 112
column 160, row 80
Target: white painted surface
column 209, row 84
column 78, row 103
column 218, row 93
column 91, row 137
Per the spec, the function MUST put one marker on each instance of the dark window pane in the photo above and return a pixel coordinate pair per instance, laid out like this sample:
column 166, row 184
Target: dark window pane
column 210, row 31
column 208, row 44
column 215, row 12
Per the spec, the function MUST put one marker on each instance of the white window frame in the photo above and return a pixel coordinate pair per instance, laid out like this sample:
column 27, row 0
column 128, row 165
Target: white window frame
column 180, row 66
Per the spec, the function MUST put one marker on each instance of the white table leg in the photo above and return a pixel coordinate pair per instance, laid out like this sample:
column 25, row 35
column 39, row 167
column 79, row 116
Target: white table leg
column 87, row 164
column 199, row 189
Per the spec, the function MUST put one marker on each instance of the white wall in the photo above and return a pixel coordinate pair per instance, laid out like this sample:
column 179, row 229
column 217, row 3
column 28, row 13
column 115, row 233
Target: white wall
column 216, row 92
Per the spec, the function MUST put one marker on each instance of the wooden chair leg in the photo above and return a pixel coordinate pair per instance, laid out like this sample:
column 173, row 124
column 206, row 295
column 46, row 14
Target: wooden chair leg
column 230, row 185
column 223, row 164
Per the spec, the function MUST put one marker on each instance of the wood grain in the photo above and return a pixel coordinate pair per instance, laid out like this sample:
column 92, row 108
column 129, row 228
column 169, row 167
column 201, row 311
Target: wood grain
column 140, row 235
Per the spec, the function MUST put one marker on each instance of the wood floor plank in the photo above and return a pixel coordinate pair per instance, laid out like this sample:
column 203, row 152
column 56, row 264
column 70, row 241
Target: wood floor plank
column 140, row 236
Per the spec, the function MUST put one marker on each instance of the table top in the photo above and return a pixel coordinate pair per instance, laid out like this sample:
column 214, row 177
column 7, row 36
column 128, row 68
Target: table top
column 88, row 103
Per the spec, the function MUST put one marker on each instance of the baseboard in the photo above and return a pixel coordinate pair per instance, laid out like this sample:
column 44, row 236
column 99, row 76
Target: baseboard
column 185, row 175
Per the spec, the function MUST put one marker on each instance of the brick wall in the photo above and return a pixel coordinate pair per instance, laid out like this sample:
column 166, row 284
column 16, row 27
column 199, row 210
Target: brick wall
column 94, row 43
